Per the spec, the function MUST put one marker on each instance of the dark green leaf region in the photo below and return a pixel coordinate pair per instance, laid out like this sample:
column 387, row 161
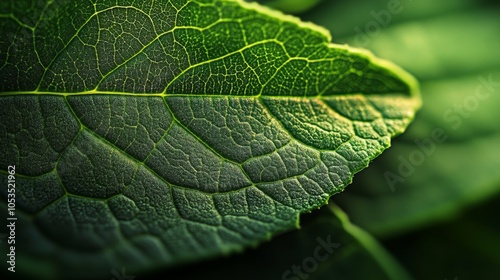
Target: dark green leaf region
column 154, row 133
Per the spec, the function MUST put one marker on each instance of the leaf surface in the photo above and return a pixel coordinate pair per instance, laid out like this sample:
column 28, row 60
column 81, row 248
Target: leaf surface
column 158, row 133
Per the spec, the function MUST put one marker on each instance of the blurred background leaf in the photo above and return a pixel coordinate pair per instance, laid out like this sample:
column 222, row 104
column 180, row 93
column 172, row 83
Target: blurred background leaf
column 353, row 248
column 450, row 47
column 436, row 218
column 290, row 6
column 465, row 247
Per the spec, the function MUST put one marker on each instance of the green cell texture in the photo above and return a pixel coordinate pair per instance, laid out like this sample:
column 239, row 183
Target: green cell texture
column 154, row 133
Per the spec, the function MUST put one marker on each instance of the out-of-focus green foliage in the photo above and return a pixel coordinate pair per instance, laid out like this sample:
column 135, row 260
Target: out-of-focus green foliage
column 290, row 6
column 293, row 255
column 452, row 52
column 452, row 48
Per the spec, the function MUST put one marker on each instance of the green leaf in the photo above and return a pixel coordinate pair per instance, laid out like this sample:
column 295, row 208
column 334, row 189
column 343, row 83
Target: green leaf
column 158, row 133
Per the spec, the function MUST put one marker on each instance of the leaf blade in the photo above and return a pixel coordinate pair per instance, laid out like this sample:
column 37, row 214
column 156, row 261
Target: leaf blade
column 168, row 157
